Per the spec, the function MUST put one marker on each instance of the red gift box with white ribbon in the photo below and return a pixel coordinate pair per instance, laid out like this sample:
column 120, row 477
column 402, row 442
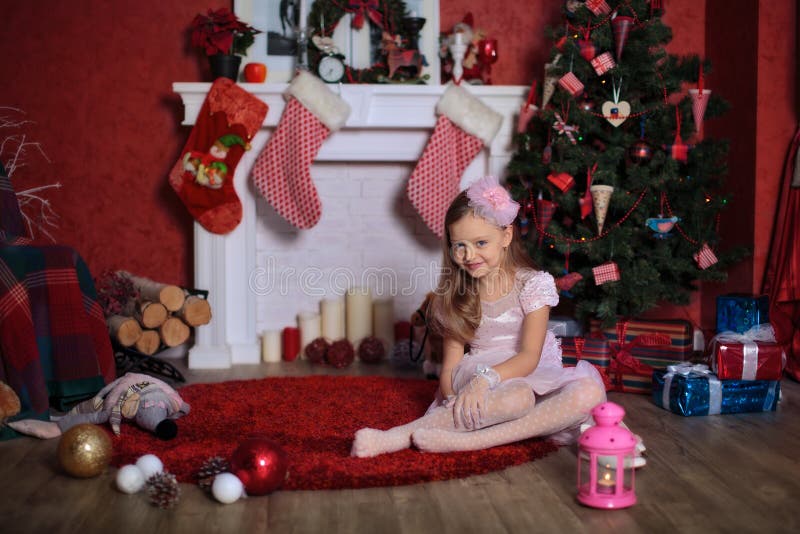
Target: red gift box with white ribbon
column 753, row 355
column 571, row 84
column 603, row 63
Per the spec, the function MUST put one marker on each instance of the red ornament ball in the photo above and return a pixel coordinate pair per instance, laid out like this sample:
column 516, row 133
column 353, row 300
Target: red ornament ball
column 341, row 354
column 317, row 350
column 261, row 464
column 371, row 350
column 640, row 151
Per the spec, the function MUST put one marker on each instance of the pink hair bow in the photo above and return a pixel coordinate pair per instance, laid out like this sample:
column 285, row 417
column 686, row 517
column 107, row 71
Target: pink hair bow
column 490, row 200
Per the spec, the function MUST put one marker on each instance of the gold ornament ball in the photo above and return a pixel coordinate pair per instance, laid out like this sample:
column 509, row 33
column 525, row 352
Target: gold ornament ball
column 84, row 451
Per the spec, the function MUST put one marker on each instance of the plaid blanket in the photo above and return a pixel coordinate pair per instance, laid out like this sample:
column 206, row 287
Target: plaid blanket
column 54, row 344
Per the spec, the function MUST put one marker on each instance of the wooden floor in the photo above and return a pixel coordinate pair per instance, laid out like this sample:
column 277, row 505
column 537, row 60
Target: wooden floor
column 732, row 473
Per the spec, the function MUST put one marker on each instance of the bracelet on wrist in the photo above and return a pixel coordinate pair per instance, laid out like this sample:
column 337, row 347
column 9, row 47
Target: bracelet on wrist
column 488, row 374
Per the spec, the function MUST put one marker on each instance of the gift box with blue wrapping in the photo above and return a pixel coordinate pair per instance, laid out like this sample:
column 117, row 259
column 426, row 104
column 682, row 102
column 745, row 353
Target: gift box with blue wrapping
column 688, row 390
column 739, row 312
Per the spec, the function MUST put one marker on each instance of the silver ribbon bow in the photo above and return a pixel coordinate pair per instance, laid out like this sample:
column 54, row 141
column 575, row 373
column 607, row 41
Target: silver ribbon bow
column 762, row 333
column 696, row 370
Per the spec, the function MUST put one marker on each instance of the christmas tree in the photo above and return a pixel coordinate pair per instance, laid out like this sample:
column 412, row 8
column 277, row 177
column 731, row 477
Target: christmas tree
column 621, row 193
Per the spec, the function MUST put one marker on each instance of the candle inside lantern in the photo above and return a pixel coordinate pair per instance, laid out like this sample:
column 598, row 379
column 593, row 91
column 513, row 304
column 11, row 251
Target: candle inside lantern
column 606, row 484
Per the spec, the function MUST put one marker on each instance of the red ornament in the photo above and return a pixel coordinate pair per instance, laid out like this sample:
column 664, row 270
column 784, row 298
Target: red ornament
column 260, row 464
column 341, row 354
column 317, row 349
column 371, row 350
column 640, row 151
column 587, row 49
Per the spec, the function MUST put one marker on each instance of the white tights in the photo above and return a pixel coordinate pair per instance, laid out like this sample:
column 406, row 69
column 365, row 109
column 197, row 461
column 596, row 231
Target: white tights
column 512, row 415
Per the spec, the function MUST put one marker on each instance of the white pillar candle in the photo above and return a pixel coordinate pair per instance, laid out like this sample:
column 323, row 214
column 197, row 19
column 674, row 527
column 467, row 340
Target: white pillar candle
column 310, row 330
column 360, row 46
column 383, row 321
column 332, row 311
column 303, row 13
column 358, row 304
column 271, row 345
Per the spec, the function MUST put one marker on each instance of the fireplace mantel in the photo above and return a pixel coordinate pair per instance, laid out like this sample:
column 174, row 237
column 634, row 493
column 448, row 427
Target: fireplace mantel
column 388, row 123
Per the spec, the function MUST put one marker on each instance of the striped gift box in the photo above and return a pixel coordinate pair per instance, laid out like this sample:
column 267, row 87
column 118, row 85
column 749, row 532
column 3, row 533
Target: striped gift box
column 603, row 63
column 593, row 350
column 705, row 257
column 571, row 84
column 598, row 7
column 670, row 341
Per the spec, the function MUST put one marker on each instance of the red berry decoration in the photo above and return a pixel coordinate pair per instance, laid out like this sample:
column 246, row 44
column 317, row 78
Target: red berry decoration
column 261, row 464
column 371, row 350
column 341, row 354
column 317, row 350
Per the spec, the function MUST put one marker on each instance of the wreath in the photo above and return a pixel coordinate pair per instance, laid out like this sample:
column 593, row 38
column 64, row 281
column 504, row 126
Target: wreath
column 385, row 14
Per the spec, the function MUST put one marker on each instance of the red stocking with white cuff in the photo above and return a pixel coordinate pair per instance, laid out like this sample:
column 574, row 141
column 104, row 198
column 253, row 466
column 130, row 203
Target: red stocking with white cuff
column 282, row 171
column 203, row 176
column 465, row 124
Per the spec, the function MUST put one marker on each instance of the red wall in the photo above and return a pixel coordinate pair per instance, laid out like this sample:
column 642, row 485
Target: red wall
column 95, row 77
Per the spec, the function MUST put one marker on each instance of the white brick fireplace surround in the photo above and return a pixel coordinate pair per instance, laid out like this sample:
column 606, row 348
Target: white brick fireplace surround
column 261, row 275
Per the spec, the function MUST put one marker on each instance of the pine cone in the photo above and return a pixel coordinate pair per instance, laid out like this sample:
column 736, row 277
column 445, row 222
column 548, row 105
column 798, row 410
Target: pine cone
column 163, row 490
column 210, row 469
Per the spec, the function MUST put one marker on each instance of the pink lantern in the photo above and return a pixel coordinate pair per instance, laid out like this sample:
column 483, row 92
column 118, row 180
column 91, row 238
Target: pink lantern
column 605, row 461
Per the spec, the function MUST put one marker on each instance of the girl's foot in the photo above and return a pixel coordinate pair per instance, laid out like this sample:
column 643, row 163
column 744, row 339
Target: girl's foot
column 370, row 442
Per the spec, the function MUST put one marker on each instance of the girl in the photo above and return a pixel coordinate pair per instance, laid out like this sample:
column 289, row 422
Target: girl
column 510, row 386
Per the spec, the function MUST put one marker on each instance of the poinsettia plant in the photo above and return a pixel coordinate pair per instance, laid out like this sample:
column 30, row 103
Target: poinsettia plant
column 221, row 32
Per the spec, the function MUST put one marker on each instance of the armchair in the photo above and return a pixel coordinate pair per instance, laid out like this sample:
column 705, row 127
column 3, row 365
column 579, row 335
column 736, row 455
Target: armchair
column 54, row 344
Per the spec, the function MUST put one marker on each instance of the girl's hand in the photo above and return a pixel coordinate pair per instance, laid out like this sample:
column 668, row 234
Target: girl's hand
column 471, row 404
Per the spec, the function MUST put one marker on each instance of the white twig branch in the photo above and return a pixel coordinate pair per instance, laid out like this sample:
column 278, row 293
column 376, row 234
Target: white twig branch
column 16, row 145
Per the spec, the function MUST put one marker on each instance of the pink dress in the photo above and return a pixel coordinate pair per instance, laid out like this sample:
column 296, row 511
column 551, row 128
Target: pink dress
column 498, row 338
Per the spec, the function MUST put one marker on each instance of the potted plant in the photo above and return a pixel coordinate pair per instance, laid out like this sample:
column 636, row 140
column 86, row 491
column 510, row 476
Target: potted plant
column 224, row 38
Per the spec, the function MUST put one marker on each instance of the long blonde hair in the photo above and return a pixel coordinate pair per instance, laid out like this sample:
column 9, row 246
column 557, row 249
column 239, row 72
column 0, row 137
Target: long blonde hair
column 456, row 306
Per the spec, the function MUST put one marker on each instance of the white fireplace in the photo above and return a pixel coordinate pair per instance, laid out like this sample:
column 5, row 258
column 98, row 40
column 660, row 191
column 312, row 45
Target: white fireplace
column 265, row 272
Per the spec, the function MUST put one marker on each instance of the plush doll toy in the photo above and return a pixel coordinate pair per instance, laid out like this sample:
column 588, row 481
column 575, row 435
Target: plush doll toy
column 152, row 404
column 433, row 344
column 9, row 402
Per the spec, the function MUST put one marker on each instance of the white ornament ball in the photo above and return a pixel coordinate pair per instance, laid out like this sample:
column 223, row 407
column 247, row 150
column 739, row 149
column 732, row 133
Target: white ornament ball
column 227, row 488
column 130, row 479
column 150, row 465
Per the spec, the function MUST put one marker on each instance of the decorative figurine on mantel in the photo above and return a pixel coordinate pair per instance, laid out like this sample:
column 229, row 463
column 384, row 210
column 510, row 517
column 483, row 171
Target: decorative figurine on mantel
column 480, row 53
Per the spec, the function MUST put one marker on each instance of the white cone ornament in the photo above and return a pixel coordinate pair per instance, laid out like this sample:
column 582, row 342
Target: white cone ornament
column 601, row 197
column 699, row 98
column 550, row 81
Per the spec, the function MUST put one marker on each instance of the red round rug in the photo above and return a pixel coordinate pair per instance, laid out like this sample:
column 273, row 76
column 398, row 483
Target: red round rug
column 315, row 418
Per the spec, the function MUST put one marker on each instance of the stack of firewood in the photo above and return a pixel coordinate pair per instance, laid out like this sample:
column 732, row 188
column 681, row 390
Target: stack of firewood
column 160, row 315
